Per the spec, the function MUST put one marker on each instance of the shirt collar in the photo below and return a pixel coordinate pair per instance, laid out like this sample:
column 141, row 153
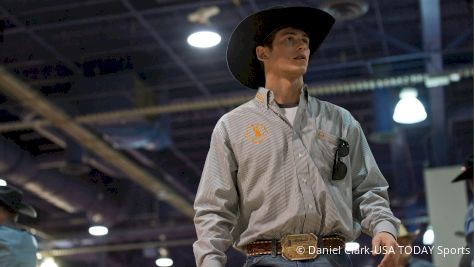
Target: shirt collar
column 265, row 96
column 10, row 224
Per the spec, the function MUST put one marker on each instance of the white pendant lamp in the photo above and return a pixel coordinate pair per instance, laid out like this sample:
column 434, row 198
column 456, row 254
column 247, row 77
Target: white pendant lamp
column 409, row 109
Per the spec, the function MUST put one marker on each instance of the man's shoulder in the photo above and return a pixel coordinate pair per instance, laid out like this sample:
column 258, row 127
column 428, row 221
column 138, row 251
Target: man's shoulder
column 238, row 114
column 244, row 109
column 330, row 110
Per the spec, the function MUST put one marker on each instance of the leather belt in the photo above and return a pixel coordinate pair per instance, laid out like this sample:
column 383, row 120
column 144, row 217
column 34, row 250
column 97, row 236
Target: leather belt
column 297, row 247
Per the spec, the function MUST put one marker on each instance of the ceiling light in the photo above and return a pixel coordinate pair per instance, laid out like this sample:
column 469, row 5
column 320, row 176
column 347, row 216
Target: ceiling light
column 352, row 246
column 164, row 262
column 428, row 237
column 454, row 77
column 98, row 230
column 3, row 182
column 204, row 39
column 409, row 109
column 437, row 81
column 49, row 262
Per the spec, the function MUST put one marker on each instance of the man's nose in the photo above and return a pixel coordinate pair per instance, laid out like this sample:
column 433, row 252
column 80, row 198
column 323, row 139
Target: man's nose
column 302, row 45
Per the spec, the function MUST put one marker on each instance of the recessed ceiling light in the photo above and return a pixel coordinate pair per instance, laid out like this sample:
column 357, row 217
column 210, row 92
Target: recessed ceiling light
column 204, row 39
column 164, row 262
column 98, row 230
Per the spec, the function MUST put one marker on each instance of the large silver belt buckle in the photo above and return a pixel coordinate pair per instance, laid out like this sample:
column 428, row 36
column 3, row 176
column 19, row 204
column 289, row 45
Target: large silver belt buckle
column 299, row 247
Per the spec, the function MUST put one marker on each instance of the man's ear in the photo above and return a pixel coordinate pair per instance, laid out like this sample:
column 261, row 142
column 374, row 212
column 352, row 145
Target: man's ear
column 262, row 53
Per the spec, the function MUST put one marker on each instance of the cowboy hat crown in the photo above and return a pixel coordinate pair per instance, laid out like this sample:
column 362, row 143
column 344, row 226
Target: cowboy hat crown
column 11, row 198
column 253, row 30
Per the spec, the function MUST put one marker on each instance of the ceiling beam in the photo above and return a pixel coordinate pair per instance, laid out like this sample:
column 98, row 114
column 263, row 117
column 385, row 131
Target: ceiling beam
column 432, row 41
column 104, row 18
column 231, row 100
column 460, row 39
column 57, row 117
column 388, row 38
column 380, row 24
column 161, row 42
column 71, row 65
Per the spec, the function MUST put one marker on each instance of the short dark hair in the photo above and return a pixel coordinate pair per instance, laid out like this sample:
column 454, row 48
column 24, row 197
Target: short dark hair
column 269, row 39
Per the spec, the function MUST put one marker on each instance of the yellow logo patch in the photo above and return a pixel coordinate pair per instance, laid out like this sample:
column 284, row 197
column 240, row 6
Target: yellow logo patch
column 260, row 98
column 256, row 133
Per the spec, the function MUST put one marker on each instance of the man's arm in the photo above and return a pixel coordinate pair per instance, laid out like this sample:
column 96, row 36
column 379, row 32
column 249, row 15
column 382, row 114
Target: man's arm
column 370, row 198
column 216, row 202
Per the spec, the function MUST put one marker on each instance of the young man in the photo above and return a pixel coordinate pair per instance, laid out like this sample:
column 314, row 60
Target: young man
column 288, row 176
column 17, row 248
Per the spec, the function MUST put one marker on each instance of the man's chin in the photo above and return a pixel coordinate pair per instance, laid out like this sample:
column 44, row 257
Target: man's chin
column 298, row 71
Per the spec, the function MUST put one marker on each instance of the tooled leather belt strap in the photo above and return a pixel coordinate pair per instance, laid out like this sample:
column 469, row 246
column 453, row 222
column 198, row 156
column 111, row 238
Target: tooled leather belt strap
column 264, row 247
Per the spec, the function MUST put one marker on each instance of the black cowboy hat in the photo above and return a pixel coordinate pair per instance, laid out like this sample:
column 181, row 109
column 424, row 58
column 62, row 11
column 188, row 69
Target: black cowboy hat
column 253, row 30
column 11, row 198
column 467, row 172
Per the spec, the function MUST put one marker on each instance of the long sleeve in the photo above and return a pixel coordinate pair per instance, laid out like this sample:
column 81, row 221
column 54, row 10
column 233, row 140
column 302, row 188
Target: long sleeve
column 370, row 196
column 216, row 202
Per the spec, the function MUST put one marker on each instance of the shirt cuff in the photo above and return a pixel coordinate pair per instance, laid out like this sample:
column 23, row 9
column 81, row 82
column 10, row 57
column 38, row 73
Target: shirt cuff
column 387, row 227
column 212, row 263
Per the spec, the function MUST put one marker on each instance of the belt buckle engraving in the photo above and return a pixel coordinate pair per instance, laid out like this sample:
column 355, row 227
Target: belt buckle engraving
column 299, row 247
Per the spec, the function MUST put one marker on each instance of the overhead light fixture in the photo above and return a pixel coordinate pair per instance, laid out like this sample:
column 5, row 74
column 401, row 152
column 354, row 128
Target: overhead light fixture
column 48, row 262
column 3, row 182
column 163, row 260
column 98, row 230
column 409, row 109
column 437, row 81
column 454, row 77
column 204, row 39
column 428, row 237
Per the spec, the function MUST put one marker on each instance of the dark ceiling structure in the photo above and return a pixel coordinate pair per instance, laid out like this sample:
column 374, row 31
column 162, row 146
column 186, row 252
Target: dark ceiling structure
column 106, row 112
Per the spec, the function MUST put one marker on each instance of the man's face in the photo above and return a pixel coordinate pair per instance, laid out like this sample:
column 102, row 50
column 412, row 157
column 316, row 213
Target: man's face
column 289, row 54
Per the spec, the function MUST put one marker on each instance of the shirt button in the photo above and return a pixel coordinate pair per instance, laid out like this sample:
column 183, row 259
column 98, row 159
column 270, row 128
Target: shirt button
column 310, row 206
column 304, row 180
column 300, row 155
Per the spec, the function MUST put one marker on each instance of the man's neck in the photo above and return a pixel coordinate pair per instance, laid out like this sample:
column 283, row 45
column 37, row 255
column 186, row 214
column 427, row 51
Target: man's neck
column 7, row 217
column 286, row 92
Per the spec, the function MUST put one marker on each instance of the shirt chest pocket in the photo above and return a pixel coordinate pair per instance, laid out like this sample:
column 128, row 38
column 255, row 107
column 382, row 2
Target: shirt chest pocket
column 322, row 150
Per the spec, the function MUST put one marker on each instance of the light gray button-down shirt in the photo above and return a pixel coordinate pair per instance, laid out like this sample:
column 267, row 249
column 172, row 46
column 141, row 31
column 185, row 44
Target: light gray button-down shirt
column 17, row 248
column 265, row 178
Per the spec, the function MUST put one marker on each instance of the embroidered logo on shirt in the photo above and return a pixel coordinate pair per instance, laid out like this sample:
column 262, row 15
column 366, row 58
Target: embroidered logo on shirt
column 256, row 133
column 260, row 97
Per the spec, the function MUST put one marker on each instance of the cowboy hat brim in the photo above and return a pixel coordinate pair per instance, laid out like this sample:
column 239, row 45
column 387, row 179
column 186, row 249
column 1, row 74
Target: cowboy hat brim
column 11, row 198
column 465, row 175
column 27, row 210
column 241, row 57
